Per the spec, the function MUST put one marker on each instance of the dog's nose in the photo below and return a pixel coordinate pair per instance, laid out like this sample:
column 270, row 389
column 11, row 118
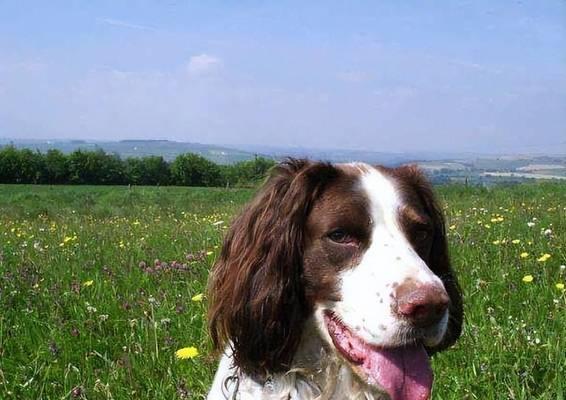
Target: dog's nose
column 423, row 306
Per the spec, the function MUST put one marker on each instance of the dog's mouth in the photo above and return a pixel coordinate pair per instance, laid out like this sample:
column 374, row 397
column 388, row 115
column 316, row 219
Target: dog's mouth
column 403, row 372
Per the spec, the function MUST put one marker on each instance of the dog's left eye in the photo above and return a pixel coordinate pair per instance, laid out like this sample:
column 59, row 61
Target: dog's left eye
column 340, row 236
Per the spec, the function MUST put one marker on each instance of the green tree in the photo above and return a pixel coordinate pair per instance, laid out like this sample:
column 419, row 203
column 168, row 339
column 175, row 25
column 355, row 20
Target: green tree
column 9, row 165
column 21, row 166
column 194, row 170
column 249, row 173
column 96, row 168
column 56, row 167
column 151, row 170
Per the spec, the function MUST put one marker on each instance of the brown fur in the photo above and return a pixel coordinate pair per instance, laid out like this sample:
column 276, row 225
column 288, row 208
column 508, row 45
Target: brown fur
column 257, row 296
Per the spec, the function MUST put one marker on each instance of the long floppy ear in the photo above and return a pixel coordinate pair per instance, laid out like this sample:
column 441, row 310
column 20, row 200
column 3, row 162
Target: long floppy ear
column 439, row 261
column 257, row 301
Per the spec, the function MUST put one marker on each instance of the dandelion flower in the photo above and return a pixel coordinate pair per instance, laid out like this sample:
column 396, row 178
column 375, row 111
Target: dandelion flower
column 515, row 241
column 197, row 297
column 88, row 283
column 186, row 352
column 528, row 278
column 524, row 254
column 560, row 286
column 544, row 257
column 496, row 242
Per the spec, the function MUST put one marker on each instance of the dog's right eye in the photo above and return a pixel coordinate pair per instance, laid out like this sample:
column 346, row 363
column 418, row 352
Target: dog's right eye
column 340, row 236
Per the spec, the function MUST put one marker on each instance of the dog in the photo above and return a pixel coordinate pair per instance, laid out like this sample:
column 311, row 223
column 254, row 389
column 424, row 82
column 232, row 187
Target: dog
column 334, row 283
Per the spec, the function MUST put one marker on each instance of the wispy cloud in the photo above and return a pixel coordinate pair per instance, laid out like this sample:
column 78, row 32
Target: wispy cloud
column 475, row 66
column 124, row 24
column 203, row 63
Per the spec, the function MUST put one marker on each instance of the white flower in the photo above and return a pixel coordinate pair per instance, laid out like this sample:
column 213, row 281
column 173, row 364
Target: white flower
column 530, row 224
column 547, row 232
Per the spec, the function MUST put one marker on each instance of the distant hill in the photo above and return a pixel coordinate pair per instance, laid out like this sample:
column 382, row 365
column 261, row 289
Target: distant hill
column 348, row 155
column 138, row 148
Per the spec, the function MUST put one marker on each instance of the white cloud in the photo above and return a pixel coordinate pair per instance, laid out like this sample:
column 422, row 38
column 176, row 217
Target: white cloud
column 202, row 64
column 124, row 24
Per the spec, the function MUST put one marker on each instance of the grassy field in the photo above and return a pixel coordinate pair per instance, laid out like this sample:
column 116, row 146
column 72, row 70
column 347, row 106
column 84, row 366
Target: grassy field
column 100, row 286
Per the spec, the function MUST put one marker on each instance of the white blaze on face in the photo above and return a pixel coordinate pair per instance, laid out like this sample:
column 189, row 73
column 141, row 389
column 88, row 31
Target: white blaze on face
column 367, row 290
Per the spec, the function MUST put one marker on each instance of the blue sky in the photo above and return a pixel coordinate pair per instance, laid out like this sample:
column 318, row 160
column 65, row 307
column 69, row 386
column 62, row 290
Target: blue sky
column 377, row 75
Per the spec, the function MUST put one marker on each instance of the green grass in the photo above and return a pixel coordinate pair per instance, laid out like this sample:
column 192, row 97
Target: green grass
column 116, row 338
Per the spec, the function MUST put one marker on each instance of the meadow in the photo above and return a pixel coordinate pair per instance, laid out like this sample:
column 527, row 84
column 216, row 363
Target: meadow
column 101, row 286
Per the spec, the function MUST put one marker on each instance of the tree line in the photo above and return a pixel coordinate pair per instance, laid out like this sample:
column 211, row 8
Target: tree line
column 82, row 167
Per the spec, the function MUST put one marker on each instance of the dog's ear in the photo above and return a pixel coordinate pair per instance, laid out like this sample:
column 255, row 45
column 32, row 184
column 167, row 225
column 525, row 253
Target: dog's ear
column 257, row 300
column 439, row 259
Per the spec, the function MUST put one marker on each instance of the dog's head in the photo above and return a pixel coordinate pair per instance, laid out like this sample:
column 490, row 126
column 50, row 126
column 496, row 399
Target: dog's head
column 361, row 251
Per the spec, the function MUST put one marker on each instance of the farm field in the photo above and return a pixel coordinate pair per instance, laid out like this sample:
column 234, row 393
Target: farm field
column 100, row 286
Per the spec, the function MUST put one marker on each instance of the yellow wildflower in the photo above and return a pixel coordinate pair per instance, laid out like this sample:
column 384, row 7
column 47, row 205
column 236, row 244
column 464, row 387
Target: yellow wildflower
column 208, row 253
column 496, row 242
column 186, row 352
column 452, row 227
column 524, row 254
column 528, row 278
column 544, row 257
column 88, row 283
column 560, row 286
column 515, row 241
column 197, row 297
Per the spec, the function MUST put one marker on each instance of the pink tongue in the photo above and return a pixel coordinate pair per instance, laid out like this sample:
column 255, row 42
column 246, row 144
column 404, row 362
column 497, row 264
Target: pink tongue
column 403, row 372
